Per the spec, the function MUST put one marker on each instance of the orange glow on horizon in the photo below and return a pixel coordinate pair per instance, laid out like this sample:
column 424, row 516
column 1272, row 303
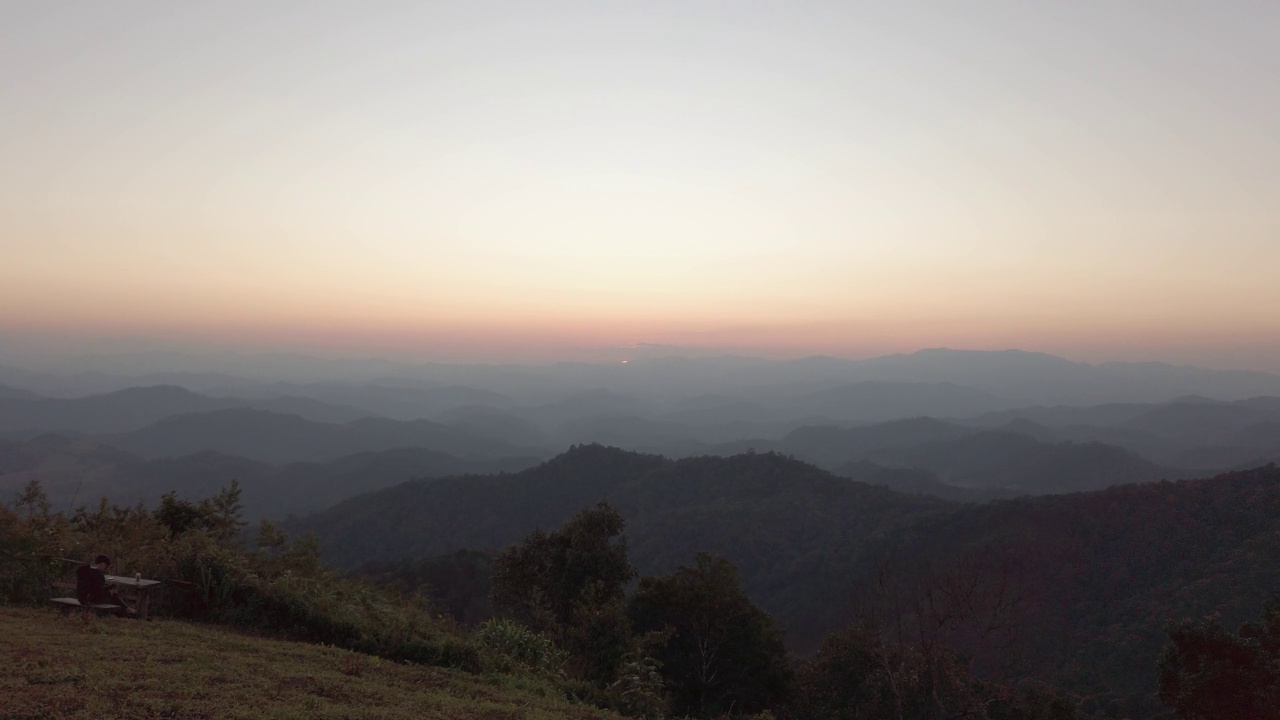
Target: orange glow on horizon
column 588, row 339
column 770, row 180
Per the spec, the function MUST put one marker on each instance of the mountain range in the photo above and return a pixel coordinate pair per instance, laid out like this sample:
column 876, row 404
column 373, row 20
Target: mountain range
column 137, row 407
column 79, row 471
column 1053, row 494
column 906, row 422
column 1014, row 377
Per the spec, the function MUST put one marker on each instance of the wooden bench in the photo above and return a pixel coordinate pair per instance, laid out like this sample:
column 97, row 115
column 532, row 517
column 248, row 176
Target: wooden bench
column 139, row 587
column 69, row 604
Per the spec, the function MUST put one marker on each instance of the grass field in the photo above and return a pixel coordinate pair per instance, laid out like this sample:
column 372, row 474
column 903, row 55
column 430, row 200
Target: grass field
column 56, row 667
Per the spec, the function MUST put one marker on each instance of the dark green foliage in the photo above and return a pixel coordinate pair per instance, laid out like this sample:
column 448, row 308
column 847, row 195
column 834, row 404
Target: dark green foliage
column 569, row 584
column 856, row 676
column 20, row 579
column 1208, row 673
column 440, row 651
column 31, row 539
column 723, row 654
column 218, row 515
column 177, row 515
column 553, row 580
column 287, row 616
column 518, row 646
column 600, row 642
column 458, row 583
column 1097, row 577
column 640, row 690
column 278, row 589
column 849, row 679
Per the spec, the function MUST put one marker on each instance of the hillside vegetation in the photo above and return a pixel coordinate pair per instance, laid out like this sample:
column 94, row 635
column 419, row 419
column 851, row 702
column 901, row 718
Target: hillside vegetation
column 1099, row 575
column 896, row 606
column 270, row 587
column 567, row 625
column 1075, row 590
column 793, row 530
column 58, row 668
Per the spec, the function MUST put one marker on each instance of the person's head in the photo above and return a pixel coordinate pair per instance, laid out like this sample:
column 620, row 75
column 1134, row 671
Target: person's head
column 102, row 562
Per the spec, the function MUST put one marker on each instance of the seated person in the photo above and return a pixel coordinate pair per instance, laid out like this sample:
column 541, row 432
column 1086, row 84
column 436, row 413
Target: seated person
column 92, row 587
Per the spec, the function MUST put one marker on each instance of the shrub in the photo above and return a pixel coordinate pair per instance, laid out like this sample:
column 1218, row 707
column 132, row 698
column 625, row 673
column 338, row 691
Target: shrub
column 512, row 646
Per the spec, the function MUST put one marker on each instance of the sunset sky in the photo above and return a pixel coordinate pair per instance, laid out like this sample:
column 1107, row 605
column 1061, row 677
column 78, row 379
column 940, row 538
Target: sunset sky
column 544, row 180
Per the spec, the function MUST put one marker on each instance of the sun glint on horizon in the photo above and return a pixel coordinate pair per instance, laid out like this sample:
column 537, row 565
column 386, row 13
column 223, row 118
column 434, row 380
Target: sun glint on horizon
column 506, row 180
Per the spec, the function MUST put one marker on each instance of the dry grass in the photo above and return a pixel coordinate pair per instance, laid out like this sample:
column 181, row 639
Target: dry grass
column 56, row 667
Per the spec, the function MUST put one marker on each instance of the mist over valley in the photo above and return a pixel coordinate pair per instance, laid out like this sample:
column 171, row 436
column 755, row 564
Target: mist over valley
column 812, row 477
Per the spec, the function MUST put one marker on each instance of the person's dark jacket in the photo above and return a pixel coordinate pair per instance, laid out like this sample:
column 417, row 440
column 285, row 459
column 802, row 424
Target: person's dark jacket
column 91, row 586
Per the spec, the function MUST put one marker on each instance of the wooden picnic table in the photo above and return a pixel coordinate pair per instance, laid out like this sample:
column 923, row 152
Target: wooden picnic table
column 141, row 588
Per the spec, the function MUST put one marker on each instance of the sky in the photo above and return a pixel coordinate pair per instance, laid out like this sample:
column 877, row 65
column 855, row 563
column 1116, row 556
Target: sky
column 553, row 180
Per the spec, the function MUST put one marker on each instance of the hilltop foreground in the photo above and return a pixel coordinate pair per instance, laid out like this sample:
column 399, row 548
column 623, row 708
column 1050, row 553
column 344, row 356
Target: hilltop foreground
column 99, row 668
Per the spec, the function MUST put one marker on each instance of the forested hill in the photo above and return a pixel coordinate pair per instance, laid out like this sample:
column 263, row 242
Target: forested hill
column 1072, row 589
column 1091, row 579
column 794, row 531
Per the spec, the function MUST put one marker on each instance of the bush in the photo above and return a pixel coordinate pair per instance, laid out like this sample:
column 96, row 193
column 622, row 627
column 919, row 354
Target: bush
column 512, row 647
column 32, row 539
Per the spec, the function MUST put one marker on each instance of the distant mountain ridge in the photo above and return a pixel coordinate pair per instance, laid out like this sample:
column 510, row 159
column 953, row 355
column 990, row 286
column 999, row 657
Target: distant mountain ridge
column 1020, row 377
column 136, row 407
column 827, row 445
column 1040, row 451
column 950, row 458
column 1194, row 433
column 278, row 438
column 1018, row 374
column 680, row 407
column 1010, row 461
column 12, row 393
column 878, row 400
column 75, row 470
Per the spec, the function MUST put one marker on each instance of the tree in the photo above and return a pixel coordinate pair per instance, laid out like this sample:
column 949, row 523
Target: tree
column 724, row 655
column 857, row 676
column 218, row 515
column 854, row 676
column 1208, row 673
column 32, row 537
column 570, row 585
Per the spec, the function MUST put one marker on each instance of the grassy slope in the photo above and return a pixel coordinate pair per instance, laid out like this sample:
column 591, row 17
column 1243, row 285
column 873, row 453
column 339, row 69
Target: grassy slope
column 57, row 667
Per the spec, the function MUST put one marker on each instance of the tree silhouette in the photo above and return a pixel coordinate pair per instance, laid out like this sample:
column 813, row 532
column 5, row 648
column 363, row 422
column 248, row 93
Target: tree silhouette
column 570, row 584
column 1208, row 673
column 724, row 655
